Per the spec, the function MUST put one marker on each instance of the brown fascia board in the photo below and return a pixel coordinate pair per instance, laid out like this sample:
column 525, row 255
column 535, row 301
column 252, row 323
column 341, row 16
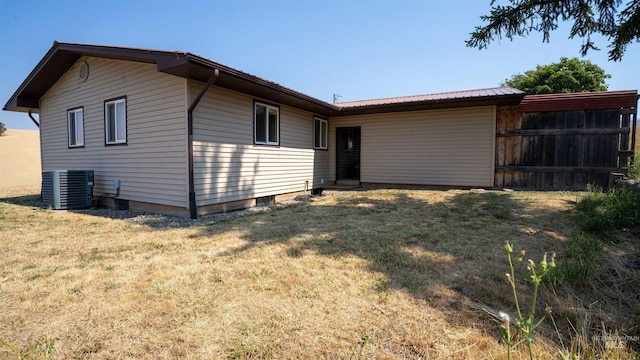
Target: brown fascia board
column 236, row 80
column 56, row 62
column 603, row 100
column 26, row 103
column 62, row 56
column 495, row 100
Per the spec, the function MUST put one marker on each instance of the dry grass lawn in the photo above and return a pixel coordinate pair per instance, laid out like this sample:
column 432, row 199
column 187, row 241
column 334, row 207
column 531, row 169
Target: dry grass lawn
column 20, row 163
column 384, row 274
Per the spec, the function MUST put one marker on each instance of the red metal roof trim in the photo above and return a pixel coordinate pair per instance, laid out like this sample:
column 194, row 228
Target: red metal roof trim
column 580, row 101
column 466, row 94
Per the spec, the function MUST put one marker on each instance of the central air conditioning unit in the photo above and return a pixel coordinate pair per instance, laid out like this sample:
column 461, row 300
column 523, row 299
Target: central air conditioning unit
column 67, row 189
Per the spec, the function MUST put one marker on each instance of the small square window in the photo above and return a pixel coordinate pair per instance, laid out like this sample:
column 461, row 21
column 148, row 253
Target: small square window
column 75, row 127
column 320, row 133
column 266, row 124
column 115, row 121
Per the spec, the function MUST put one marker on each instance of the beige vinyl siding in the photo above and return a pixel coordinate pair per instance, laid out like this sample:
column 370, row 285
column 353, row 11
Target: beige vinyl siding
column 229, row 167
column 152, row 167
column 438, row 147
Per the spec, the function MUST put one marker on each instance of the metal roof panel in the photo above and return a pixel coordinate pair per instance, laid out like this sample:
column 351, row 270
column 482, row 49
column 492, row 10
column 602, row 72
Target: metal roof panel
column 464, row 94
column 580, row 101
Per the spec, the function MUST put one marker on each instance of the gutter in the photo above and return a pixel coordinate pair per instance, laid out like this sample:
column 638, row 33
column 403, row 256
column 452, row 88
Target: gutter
column 193, row 209
column 34, row 119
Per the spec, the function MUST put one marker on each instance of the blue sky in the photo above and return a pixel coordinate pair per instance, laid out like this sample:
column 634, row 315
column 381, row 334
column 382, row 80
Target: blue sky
column 358, row 49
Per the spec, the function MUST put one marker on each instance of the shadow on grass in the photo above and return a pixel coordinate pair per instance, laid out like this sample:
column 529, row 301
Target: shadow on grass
column 27, row 200
column 444, row 246
column 426, row 248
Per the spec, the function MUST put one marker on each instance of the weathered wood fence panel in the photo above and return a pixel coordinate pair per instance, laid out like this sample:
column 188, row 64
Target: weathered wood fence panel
column 562, row 150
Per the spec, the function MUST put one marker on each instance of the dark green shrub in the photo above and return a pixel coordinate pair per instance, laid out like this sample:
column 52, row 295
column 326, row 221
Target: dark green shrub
column 602, row 213
column 2, row 129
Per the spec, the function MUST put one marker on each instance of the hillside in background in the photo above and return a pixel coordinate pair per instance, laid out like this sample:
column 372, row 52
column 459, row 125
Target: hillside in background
column 20, row 163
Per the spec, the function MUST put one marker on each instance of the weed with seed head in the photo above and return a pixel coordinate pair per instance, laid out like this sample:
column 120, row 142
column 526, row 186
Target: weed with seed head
column 582, row 255
column 525, row 323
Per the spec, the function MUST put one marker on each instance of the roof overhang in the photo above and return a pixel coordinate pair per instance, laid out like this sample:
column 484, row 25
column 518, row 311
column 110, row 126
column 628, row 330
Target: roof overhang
column 604, row 100
column 434, row 104
column 62, row 56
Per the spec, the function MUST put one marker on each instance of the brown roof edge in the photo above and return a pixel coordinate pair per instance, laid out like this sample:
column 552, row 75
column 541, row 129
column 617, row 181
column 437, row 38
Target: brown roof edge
column 32, row 104
column 458, row 94
column 465, row 98
column 62, row 56
column 259, row 81
column 580, row 101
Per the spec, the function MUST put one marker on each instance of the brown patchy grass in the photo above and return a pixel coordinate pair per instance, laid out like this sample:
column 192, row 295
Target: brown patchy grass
column 384, row 274
column 20, row 163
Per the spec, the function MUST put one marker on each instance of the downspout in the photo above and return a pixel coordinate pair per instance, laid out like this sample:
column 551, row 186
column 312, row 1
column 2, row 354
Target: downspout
column 33, row 119
column 193, row 209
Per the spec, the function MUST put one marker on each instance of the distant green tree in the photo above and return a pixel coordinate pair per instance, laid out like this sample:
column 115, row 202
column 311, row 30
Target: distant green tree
column 2, row 129
column 569, row 75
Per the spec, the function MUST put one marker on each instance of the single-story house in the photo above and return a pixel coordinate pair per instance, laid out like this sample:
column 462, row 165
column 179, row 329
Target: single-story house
column 182, row 134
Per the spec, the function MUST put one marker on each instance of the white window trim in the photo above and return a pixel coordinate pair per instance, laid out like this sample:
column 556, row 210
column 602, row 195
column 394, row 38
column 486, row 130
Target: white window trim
column 114, row 102
column 255, row 124
column 326, row 137
column 79, row 130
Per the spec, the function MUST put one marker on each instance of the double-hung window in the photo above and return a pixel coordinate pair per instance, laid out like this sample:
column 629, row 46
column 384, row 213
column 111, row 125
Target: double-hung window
column 266, row 124
column 115, row 121
column 320, row 133
column 75, row 127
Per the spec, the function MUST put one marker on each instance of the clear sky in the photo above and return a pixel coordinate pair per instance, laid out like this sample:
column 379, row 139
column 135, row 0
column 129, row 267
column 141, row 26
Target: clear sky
column 358, row 49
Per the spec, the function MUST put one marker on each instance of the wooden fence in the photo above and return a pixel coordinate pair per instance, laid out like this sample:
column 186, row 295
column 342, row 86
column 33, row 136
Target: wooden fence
column 563, row 150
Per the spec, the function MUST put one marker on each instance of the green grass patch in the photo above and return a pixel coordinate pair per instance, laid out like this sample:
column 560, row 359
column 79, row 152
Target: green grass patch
column 602, row 213
column 580, row 261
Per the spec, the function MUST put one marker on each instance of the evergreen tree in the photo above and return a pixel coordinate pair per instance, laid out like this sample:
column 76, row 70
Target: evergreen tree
column 619, row 23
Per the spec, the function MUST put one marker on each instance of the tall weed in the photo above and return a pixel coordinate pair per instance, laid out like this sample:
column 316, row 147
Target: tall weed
column 525, row 322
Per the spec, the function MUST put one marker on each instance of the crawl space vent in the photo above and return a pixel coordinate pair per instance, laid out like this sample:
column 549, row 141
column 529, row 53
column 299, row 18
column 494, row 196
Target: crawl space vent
column 83, row 72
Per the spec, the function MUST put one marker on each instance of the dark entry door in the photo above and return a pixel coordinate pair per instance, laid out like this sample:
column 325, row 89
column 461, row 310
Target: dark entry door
column 348, row 141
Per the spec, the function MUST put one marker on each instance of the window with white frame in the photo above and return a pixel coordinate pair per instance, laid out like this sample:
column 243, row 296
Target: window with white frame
column 266, row 124
column 75, row 127
column 320, row 133
column 115, row 121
